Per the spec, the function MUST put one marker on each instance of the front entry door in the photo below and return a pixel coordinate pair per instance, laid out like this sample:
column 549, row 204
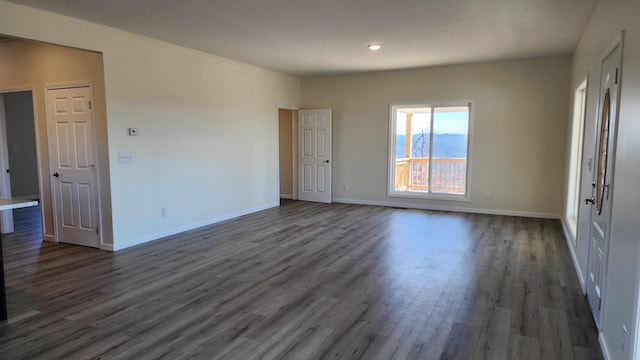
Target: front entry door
column 603, row 179
column 70, row 124
column 314, row 155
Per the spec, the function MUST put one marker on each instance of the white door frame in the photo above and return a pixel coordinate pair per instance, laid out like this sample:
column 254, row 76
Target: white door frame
column 294, row 147
column 576, row 241
column 6, row 216
column 579, row 137
column 98, row 202
column 38, row 150
column 294, row 153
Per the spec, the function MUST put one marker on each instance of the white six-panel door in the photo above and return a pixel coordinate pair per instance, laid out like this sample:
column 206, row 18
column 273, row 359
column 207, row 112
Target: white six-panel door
column 70, row 125
column 314, row 155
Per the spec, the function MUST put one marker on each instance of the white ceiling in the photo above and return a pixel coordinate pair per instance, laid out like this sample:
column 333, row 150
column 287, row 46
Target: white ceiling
column 317, row 37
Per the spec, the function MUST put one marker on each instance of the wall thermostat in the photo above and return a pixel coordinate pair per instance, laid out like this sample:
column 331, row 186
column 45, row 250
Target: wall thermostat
column 134, row 132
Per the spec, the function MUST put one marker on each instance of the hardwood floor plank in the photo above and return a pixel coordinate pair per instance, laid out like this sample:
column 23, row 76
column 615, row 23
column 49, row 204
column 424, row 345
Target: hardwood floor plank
column 587, row 353
column 494, row 339
column 216, row 337
column 475, row 302
column 307, row 343
column 581, row 324
column 555, row 341
column 461, row 342
column 404, row 335
column 526, row 312
column 524, row 348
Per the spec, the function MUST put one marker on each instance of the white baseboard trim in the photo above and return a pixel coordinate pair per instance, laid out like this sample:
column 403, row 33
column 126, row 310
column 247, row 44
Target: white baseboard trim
column 448, row 208
column 162, row 234
column 52, row 238
column 283, row 196
column 574, row 257
column 106, row 247
column 604, row 347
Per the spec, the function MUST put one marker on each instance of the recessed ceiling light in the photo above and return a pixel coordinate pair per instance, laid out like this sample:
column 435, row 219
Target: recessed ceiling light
column 374, row 46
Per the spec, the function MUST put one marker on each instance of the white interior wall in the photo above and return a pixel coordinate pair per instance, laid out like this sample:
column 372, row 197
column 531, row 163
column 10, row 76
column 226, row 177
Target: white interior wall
column 517, row 144
column 207, row 147
column 620, row 300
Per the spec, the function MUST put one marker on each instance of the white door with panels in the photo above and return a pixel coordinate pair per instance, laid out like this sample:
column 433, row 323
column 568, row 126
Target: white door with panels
column 314, row 155
column 603, row 179
column 70, row 124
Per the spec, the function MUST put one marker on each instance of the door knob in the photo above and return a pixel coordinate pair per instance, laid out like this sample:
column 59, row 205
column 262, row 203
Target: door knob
column 589, row 201
column 56, row 174
column 326, row 161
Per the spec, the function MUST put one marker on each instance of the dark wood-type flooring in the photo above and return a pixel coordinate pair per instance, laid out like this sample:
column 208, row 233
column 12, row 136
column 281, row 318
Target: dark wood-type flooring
column 304, row 281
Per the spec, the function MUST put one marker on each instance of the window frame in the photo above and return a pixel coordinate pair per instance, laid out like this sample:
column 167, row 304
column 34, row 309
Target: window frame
column 576, row 157
column 391, row 191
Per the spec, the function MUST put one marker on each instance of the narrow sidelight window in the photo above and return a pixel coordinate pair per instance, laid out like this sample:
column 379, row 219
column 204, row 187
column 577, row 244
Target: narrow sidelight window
column 575, row 160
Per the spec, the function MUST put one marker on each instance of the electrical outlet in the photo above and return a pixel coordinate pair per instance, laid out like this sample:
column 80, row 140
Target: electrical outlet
column 125, row 158
column 623, row 338
column 164, row 212
column 487, row 195
column 345, row 187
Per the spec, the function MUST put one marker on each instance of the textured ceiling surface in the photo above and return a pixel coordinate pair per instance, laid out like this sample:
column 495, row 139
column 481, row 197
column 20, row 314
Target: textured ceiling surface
column 305, row 38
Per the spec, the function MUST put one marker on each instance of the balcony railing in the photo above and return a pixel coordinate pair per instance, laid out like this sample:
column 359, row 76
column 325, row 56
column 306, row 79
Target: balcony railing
column 448, row 176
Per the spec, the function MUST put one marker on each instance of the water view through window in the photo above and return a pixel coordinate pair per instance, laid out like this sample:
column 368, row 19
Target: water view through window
column 431, row 149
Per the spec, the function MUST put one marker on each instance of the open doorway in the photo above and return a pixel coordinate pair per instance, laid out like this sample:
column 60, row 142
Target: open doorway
column 40, row 68
column 18, row 154
column 304, row 139
column 287, row 139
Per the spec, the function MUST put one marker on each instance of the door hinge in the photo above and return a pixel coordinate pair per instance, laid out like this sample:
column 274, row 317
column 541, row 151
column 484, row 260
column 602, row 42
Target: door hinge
column 98, row 230
column 616, row 82
column 600, row 304
column 89, row 104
